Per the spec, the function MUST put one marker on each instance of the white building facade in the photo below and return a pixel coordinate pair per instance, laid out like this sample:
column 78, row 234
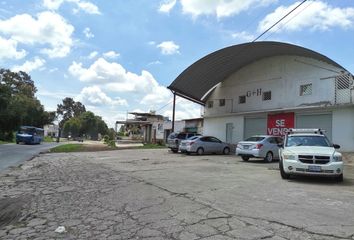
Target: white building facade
column 290, row 90
column 268, row 87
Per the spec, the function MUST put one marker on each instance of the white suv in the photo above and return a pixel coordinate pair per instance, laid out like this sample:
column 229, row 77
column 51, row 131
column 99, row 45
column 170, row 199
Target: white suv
column 309, row 152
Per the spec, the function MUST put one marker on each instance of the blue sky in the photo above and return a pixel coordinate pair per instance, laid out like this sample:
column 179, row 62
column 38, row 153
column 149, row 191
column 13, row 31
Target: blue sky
column 117, row 56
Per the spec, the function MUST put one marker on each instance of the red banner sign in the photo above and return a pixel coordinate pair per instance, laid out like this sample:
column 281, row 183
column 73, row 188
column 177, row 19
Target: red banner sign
column 278, row 124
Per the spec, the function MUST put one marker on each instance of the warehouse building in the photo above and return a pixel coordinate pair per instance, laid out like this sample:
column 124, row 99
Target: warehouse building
column 268, row 87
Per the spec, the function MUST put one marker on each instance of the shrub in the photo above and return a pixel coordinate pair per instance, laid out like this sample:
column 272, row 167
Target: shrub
column 106, row 139
column 109, row 142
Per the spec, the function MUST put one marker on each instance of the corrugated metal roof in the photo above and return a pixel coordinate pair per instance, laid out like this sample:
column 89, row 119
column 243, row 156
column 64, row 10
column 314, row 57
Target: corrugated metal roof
column 199, row 78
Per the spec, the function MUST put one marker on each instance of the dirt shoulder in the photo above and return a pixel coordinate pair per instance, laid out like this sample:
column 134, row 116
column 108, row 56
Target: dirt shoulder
column 348, row 158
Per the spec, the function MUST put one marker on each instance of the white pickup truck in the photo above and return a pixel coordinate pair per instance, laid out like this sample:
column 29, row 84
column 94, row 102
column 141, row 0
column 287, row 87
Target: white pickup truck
column 309, row 152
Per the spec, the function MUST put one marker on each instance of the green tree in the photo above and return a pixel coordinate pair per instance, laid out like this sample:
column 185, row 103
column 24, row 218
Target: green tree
column 92, row 125
column 18, row 104
column 69, row 109
column 112, row 134
column 87, row 124
column 72, row 127
column 101, row 126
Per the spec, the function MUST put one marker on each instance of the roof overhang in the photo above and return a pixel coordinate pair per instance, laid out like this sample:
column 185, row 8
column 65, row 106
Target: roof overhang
column 134, row 122
column 198, row 80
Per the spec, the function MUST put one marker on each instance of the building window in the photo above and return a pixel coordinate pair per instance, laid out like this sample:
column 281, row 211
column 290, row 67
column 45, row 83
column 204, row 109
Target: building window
column 306, row 89
column 221, row 102
column 242, row 99
column 210, row 104
column 267, row 96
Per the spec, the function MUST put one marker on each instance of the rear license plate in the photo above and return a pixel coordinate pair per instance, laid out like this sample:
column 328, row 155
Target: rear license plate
column 245, row 147
column 315, row 169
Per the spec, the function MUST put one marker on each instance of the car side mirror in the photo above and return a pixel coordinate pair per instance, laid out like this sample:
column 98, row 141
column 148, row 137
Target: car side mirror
column 336, row 146
column 281, row 145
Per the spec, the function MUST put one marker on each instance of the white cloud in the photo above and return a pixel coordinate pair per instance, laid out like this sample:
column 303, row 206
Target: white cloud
column 112, row 77
column 95, row 96
column 86, row 7
column 93, row 55
column 110, row 115
column 48, row 29
column 157, row 95
column 243, row 36
column 168, row 48
column 29, row 66
column 166, row 6
column 80, row 5
column 52, row 4
column 157, row 62
column 111, row 54
column 220, row 8
column 54, row 94
column 8, row 49
column 185, row 109
column 100, row 72
column 144, row 89
column 53, row 70
column 88, row 33
column 314, row 15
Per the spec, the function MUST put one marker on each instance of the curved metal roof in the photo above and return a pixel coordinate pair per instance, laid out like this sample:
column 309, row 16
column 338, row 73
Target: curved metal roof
column 199, row 78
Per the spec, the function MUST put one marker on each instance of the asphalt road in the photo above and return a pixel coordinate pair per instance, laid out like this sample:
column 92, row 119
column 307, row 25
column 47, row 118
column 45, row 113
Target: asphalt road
column 14, row 154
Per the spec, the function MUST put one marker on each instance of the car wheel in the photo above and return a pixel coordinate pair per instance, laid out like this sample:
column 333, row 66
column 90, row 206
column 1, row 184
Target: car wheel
column 339, row 178
column 226, row 151
column 269, row 157
column 283, row 174
column 174, row 150
column 17, row 142
column 244, row 158
column 200, row 151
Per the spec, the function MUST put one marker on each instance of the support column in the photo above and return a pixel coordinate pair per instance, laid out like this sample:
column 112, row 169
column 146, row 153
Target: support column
column 173, row 112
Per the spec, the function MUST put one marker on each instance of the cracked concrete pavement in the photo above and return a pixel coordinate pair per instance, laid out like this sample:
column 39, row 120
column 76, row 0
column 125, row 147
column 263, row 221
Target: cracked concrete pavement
column 154, row 194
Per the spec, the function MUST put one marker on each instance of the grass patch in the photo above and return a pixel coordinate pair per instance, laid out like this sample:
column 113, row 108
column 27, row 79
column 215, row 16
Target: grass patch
column 151, row 146
column 48, row 139
column 71, row 147
column 76, row 147
column 4, row 142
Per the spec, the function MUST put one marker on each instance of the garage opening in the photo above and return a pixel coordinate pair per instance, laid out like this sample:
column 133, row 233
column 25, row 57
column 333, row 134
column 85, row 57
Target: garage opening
column 323, row 121
column 255, row 126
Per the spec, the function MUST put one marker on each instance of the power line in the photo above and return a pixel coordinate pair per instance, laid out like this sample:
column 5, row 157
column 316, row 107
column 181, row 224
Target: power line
column 279, row 20
column 164, row 105
column 295, row 15
column 261, row 34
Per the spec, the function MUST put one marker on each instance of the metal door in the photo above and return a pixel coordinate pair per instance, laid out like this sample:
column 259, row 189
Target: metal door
column 229, row 129
column 255, row 126
column 323, row 121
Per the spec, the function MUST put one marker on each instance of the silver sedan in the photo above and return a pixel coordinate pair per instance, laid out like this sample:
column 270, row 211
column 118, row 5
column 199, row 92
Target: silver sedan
column 260, row 146
column 204, row 144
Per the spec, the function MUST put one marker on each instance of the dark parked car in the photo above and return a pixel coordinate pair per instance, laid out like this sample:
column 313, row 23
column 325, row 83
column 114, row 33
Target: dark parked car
column 174, row 139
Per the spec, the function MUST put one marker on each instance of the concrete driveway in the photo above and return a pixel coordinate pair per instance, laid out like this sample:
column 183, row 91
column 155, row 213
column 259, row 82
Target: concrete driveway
column 155, row 194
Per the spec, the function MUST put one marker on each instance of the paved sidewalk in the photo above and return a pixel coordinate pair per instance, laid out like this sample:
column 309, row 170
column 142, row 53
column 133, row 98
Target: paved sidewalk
column 153, row 194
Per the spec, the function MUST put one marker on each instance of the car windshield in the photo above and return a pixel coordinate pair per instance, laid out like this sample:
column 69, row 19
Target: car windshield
column 193, row 138
column 254, row 139
column 307, row 141
column 172, row 136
